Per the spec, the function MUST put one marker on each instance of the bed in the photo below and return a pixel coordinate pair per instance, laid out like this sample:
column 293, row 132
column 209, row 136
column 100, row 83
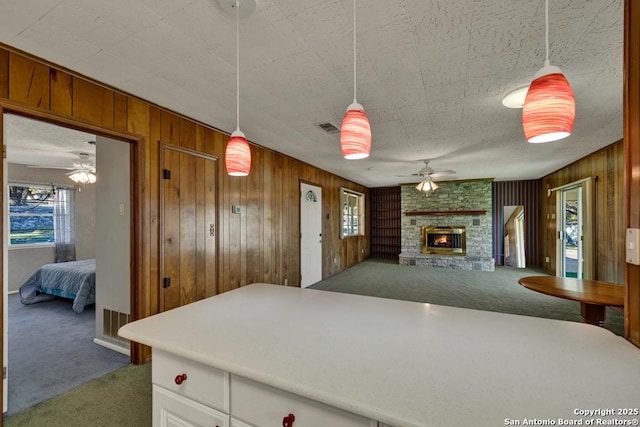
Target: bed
column 75, row 280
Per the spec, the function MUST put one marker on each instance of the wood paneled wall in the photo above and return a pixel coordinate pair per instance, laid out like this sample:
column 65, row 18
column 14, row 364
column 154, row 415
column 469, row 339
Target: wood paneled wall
column 260, row 245
column 632, row 159
column 607, row 165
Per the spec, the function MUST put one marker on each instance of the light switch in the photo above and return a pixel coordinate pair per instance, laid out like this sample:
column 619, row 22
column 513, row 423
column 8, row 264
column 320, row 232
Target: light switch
column 121, row 208
column 632, row 246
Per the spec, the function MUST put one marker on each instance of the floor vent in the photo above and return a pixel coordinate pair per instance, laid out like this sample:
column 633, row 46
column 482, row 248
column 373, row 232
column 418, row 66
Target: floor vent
column 112, row 321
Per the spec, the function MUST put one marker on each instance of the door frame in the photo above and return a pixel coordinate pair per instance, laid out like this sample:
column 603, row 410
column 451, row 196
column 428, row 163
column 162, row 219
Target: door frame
column 137, row 145
column 520, row 243
column 588, row 225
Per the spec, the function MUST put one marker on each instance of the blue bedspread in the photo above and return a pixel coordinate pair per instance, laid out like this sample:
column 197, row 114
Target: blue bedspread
column 75, row 280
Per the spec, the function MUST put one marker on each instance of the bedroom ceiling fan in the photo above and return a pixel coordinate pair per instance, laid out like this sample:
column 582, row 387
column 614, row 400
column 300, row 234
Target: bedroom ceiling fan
column 82, row 171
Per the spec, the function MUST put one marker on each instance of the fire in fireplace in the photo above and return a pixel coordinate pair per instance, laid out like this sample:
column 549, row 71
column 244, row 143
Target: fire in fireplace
column 444, row 240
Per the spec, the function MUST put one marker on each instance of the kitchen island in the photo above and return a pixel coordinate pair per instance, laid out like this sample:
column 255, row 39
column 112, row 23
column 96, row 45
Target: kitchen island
column 369, row 360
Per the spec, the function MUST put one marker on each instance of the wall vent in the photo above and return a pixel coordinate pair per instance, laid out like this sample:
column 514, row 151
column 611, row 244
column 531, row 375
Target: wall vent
column 328, row 127
column 412, row 261
column 112, row 321
column 476, row 221
column 477, row 266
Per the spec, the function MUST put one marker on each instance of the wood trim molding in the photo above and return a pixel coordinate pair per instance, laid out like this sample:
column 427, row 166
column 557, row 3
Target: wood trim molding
column 443, row 213
column 632, row 160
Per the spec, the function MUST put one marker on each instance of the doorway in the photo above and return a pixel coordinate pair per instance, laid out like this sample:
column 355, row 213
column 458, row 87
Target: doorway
column 310, row 234
column 514, row 242
column 38, row 158
column 574, row 230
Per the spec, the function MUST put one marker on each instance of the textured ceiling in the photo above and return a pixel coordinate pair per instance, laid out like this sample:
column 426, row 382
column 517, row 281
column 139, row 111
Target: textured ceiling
column 430, row 74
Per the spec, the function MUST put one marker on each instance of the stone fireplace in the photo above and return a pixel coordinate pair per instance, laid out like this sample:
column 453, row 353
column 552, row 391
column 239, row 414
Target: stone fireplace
column 451, row 227
column 444, row 240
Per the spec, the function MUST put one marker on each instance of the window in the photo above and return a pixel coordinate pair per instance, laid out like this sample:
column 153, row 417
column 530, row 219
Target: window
column 31, row 209
column 352, row 213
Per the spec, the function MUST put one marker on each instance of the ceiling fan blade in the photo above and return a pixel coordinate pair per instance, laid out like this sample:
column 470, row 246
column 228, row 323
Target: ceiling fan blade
column 443, row 173
column 48, row 167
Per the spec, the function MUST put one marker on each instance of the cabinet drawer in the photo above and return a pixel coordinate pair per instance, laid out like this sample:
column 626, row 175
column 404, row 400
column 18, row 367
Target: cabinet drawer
column 171, row 409
column 202, row 383
column 262, row 405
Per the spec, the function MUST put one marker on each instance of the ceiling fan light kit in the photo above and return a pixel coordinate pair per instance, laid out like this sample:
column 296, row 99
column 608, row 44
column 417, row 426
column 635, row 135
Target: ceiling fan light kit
column 83, row 177
column 430, row 176
column 426, row 186
column 549, row 108
column 355, row 132
column 237, row 154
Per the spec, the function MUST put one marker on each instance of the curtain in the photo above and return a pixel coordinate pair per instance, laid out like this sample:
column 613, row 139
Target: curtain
column 64, row 224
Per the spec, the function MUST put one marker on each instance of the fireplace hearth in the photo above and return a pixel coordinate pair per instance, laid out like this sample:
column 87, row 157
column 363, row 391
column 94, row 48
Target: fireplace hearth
column 444, row 240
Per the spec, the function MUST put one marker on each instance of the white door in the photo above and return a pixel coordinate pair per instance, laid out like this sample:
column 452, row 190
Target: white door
column 310, row 234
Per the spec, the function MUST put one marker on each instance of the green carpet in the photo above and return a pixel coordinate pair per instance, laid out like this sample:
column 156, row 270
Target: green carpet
column 121, row 398
column 481, row 290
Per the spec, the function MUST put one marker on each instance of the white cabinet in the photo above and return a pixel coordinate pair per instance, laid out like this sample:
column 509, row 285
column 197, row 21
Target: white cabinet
column 189, row 394
column 237, row 423
column 262, row 405
column 173, row 410
column 202, row 383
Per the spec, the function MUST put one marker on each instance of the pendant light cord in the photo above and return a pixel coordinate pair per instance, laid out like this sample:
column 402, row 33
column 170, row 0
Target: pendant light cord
column 546, row 24
column 237, row 65
column 354, row 52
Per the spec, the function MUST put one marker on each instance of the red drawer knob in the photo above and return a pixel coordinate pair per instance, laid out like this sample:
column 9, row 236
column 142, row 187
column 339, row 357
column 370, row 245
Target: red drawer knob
column 288, row 420
column 181, row 378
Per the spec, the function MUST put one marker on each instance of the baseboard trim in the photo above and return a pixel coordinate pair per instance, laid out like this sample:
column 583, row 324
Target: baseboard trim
column 112, row 346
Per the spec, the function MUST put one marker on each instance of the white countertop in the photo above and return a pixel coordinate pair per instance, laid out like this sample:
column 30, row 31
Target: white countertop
column 403, row 363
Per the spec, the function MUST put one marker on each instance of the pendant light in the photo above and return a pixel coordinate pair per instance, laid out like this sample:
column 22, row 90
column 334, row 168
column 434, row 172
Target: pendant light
column 549, row 108
column 237, row 156
column 355, row 132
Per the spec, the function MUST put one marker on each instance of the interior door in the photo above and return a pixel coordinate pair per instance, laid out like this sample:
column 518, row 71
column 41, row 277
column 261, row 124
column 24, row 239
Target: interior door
column 188, row 260
column 310, row 234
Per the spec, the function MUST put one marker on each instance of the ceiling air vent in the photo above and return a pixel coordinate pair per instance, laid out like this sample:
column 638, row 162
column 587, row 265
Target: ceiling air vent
column 329, row 127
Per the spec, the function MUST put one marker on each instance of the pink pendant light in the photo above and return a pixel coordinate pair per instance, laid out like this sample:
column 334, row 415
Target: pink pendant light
column 355, row 132
column 549, row 108
column 237, row 156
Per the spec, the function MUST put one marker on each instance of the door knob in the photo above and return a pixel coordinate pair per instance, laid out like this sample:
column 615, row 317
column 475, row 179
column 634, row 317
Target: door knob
column 288, row 420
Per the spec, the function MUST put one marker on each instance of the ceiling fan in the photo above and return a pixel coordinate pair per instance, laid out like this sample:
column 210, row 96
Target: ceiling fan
column 82, row 171
column 429, row 176
column 428, row 172
column 85, row 161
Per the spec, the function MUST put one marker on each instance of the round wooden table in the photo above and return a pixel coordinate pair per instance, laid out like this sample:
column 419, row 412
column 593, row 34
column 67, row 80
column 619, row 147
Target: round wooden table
column 593, row 295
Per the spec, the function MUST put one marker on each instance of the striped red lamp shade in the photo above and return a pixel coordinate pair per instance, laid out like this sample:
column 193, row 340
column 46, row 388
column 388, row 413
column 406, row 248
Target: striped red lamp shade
column 549, row 108
column 355, row 133
column 237, row 157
